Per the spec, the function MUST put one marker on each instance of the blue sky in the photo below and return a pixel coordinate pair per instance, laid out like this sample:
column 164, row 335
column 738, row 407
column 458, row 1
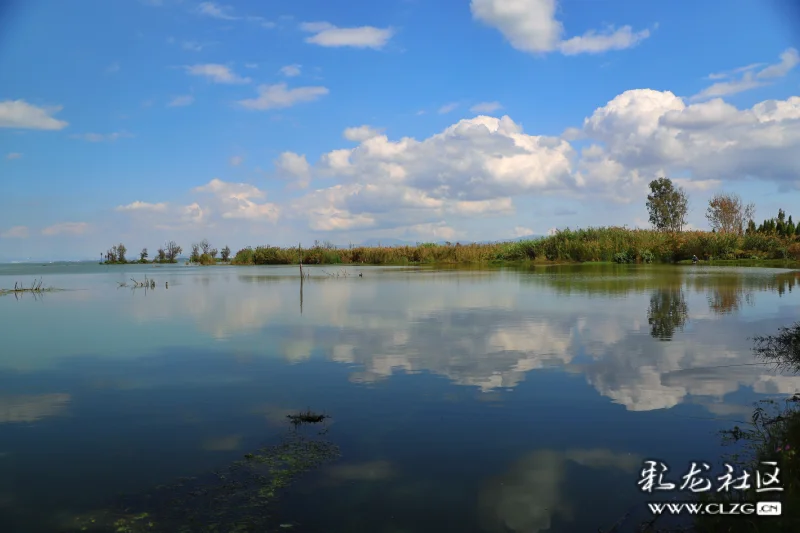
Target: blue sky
column 253, row 122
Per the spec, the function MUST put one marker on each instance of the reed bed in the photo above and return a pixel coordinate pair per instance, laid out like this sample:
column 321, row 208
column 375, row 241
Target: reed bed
column 603, row 244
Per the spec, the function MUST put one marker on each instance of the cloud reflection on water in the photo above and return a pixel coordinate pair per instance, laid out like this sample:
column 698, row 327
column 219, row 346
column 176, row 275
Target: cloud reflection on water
column 32, row 407
column 646, row 338
column 527, row 497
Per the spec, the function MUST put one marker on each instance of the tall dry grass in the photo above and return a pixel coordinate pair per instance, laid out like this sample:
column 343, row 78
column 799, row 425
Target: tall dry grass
column 608, row 244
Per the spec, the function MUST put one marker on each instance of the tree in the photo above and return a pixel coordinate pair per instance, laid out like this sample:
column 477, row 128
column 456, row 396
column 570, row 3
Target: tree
column 668, row 205
column 205, row 246
column 194, row 257
column 780, row 225
column 143, row 255
column 172, row 251
column 121, row 253
column 751, row 227
column 162, row 256
column 226, row 253
column 726, row 213
column 213, row 253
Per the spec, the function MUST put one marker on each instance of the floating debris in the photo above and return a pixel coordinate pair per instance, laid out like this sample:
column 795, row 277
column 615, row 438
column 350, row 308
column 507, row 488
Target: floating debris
column 306, row 417
column 36, row 287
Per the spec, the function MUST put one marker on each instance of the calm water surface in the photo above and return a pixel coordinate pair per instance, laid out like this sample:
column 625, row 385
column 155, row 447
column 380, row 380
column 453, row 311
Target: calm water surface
column 461, row 400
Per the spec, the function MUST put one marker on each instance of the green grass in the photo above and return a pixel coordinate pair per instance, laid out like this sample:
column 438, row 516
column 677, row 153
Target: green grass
column 597, row 245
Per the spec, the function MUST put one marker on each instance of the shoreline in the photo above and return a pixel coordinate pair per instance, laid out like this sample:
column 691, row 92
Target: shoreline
column 591, row 245
column 613, row 245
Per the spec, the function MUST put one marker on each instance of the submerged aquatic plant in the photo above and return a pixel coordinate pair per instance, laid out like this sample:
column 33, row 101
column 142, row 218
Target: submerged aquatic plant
column 242, row 497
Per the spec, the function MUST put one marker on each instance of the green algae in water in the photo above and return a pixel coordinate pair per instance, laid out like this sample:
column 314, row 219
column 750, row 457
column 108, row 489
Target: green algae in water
column 240, row 498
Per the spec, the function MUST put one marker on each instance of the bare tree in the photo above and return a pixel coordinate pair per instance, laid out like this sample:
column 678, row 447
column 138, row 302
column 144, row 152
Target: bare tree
column 172, row 251
column 205, row 246
column 194, row 257
column 213, row 253
column 727, row 213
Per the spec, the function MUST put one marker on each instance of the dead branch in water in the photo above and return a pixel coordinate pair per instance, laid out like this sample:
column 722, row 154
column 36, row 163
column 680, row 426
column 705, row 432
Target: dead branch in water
column 147, row 283
column 341, row 273
column 303, row 275
column 36, row 287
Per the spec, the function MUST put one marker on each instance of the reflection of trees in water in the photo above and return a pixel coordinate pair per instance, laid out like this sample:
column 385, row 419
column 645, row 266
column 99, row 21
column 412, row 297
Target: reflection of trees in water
column 604, row 280
column 667, row 312
column 726, row 299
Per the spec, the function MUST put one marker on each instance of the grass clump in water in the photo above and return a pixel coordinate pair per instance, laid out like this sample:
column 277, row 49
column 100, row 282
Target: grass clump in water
column 306, row 417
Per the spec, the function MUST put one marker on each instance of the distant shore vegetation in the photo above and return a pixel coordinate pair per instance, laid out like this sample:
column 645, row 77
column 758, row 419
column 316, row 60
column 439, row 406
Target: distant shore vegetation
column 734, row 237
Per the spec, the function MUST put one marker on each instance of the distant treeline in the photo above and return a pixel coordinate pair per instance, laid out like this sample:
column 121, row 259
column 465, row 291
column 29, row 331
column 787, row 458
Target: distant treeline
column 202, row 253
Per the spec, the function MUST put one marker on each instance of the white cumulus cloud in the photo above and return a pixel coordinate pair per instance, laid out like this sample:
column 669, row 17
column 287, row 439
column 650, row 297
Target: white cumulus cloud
column 326, row 34
column 749, row 77
column 361, row 133
column 16, row 232
column 142, row 206
column 280, row 96
column 22, row 115
column 181, row 101
column 237, row 201
column 291, row 71
column 532, row 26
column 213, row 10
column 66, row 228
column 486, row 107
column 521, row 231
column 295, row 167
column 101, row 137
column 216, row 73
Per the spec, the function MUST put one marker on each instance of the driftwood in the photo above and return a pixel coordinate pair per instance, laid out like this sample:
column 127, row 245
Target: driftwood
column 146, row 284
column 35, row 287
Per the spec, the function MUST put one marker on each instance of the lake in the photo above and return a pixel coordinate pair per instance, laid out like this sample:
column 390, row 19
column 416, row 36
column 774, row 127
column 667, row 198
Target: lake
column 468, row 400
